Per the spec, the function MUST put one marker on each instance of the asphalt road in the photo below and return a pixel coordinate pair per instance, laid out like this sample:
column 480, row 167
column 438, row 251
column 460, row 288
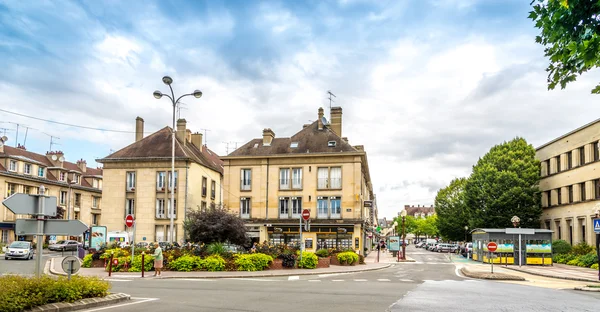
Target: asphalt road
column 25, row 267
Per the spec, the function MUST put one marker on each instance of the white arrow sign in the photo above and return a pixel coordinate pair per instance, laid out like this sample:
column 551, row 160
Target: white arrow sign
column 51, row 227
column 20, row 203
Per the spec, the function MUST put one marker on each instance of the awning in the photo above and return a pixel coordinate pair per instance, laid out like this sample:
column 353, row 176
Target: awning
column 7, row 225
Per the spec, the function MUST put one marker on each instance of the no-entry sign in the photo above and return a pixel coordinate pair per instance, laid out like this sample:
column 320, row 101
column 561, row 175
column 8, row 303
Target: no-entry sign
column 305, row 214
column 491, row 246
column 129, row 220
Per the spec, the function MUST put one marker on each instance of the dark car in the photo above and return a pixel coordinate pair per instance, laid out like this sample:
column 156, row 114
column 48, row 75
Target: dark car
column 19, row 250
column 64, row 245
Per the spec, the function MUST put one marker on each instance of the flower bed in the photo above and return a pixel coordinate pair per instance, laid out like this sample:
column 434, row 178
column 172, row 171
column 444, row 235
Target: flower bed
column 582, row 254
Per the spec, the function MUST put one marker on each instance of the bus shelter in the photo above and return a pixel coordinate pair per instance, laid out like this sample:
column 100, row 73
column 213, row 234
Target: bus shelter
column 515, row 246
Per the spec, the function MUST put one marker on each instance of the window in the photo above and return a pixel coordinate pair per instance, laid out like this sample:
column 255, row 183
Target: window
column 596, row 147
column 322, row 207
column 329, row 178
column 63, row 197
column 174, row 210
column 570, row 194
column 76, row 178
column 284, row 207
column 336, row 208
column 61, row 176
column 582, row 190
column 581, row 156
column 76, row 215
column 297, row 178
column 294, row 145
column 583, row 231
column 203, row 206
column 558, row 192
column 129, row 206
column 41, row 172
column 246, row 180
column 557, row 163
column 245, row 207
column 546, row 199
column 159, row 233
column 160, row 209
column 336, row 178
column 160, row 180
column 548, row 167
column 13, row 165
column 213, row 189
column 95, row 202
column 296, row 206
column 4, row 236
column 176, row 176
column 130, row 181
column 597, row 188
column 569, row 160
column 323, row 177
column 204, row 183
column 27, row 169
column 331, row 144
column 95, row 219
column 77, row 200
column 284, row 179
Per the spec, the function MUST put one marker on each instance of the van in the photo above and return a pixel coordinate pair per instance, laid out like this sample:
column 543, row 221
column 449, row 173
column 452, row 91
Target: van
column 120, row 237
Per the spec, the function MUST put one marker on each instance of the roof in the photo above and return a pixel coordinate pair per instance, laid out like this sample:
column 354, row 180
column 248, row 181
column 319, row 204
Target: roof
column 568, row 134
column 310, row 140
column 158, row 146
column 39, row 159
column 411, row 210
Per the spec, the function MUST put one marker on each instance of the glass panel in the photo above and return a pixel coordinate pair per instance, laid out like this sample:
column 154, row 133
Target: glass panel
column 284, row 178
column 160, row 209
column 245, row 208
column 322, row 177
column 335, row 208
column 284, row 208
column 246, row 179
column 297, row 178
column 336, row 178
column 296, row 207
column 322, row 209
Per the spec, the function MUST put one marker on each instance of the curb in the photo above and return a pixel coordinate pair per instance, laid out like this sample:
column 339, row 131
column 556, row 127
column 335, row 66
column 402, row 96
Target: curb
column 585, row 288
column 490, row 276
column 54, row 272
column 84, row 303
column 554, row 276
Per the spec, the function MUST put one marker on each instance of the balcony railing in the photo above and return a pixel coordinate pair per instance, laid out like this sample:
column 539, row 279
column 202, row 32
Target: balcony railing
column 245, row 187
column 327, row 183
column 245, row 216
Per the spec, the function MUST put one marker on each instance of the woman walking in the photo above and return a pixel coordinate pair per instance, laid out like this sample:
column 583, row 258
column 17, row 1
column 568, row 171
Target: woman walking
column 158, row 259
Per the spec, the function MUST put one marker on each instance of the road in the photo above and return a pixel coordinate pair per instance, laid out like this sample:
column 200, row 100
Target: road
column 430, row 284
column 25, row 267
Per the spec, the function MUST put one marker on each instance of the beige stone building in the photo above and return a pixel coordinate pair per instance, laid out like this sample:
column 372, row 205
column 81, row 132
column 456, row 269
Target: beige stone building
column 269, row 181
column 137, row 180
column 419, row 211
column 570, row 183
column 75, row 186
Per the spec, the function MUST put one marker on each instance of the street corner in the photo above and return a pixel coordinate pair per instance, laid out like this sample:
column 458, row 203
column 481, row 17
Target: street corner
column 490, row 276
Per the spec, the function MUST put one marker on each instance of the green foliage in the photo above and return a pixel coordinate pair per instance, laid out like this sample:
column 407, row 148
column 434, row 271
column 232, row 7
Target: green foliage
column 573, row 262
column 215, row 225
column 348, row 258
column 561, row 247
column 594, row 266
column 216, row 249
column 136, row 265
column 20, row 293
column 323, row 253
column 451, row 210
column 87, row 261
column 184, row 263
column 582, row 249
column 503, row 184
column 252, row 262
column 587, row 260
column 569, row 33
column 213, row 263
column 288, row 260
column 117, row 253
column 563, row 258
column 309, row 260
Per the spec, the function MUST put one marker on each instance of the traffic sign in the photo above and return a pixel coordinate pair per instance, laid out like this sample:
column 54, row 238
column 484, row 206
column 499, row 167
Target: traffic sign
column 129, row 220
column 20, row 203
column 70, row 264
column 597, row 225
column 51, row 227
column 491, row 246
column 305, row 214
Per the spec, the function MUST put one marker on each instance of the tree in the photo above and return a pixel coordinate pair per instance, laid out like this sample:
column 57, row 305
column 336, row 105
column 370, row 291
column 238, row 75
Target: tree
column 410, row 224
column 451, row 210
column 569, row 33
column 504, row 184
column 215, row 225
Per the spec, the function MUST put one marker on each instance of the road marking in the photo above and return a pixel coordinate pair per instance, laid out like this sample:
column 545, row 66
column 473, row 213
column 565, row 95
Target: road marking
column 333, row 274
column 383, row 279
column 293, row 278
column 406, row 280
column 142, row 300
column 117, row 280
column 253, row 279
column 360, row 280
column 123, row 275
column 196, row 279
column 314, row 280
column 337, row 280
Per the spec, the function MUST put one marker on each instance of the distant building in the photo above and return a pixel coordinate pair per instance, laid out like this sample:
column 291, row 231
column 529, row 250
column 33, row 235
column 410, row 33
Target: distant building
column 570, row 183
column 419, row 211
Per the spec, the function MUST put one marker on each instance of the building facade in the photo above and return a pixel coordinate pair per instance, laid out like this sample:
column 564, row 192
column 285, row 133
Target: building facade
column 269, row 181
column 78, row 188
column 570, row 183
column 419, row 211
column 137, row 182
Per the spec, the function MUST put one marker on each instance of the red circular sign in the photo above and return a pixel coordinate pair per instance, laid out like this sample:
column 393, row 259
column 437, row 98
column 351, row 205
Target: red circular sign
column 305, row 214
column 129, row 220
column 115, row 261
column 491, row 246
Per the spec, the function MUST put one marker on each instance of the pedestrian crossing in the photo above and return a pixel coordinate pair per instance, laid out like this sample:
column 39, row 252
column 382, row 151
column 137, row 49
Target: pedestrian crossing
column 289, row 279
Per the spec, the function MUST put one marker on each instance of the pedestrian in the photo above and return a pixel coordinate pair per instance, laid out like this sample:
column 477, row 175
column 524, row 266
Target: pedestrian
column 158, row 259
column 253, row 249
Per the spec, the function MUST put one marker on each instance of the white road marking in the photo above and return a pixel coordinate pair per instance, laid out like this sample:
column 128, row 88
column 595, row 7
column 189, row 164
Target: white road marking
column 332, row 274
column 117, row 280
column 360, row 280
column 196, row 279
column 314, row 280
column 383, row 280
column 142, row 300
column 337, row 280
column 406, row 280
column 293, row 278
column 253, row 279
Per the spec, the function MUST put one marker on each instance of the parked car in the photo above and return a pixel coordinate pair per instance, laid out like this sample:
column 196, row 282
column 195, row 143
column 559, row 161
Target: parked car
column 19, row 250
column 468, row 250
column 444, row 248
column 64, row 245
column 142, row 245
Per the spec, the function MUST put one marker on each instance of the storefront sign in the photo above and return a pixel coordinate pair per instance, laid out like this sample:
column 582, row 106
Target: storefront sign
column 308, row 243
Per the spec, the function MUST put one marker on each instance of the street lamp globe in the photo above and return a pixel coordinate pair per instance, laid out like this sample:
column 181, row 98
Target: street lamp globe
column 157, row 94
column 197, row 94
column 466, row 227
column 167, row 80
column 403, row 213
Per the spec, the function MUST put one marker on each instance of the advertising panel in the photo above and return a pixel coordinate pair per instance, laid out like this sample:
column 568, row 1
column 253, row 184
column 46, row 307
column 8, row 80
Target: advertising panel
column 394, row 244
column 97, row 237
column 539, row 248
column 505, row 248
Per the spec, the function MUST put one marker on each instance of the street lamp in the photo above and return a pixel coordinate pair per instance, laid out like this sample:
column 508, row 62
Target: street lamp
column 69, row 199
column 466, row 229
column 403, row 214
column 158, row 95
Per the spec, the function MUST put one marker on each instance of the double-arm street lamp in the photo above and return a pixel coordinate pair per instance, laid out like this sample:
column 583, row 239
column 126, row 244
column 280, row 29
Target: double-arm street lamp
column 403, row 214
column 157, row 94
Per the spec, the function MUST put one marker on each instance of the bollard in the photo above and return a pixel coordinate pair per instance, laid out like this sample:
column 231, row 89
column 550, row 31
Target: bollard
column 110, row 265
column 143, row 254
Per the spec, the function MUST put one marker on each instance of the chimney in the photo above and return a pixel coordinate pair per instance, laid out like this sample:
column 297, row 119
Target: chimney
column 82, row 164
column 139, row 128
column 181, row 133
column 345, row 139
column 2, row 141
column 268, row 136
column 56, row 158
column 197, row 140
column 320, row 119
column 188, row 135
column 336, row 120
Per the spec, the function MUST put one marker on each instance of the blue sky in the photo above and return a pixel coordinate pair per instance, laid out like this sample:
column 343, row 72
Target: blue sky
column 426, row 86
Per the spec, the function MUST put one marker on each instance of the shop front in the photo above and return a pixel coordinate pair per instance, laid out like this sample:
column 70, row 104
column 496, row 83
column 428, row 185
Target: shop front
column 319, row 236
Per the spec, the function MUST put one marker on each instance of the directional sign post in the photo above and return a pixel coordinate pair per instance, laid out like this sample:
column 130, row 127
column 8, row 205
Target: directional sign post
column 40, row 207
column 491, row 246
column 70, row 265
column 130, row 222
column 596, row 223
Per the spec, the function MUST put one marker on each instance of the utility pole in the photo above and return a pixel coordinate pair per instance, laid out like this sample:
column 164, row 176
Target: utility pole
column 330, row 99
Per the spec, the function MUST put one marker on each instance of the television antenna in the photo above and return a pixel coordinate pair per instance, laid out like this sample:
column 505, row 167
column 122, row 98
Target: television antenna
column 52, row 140
column 206, row 136
column 330, row 99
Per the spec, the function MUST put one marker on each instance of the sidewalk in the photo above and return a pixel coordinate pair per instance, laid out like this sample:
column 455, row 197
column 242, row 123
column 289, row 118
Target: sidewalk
column 54, row 267
column 384, row 257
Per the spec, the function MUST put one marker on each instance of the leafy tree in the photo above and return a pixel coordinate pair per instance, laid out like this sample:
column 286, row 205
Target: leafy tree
column 215, row 225
column 504, row 184
column 569, row 33
column 451, row 210
column 410, row 224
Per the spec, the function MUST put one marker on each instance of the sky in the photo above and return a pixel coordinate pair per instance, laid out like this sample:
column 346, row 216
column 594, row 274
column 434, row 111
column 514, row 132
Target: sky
column 427, row 86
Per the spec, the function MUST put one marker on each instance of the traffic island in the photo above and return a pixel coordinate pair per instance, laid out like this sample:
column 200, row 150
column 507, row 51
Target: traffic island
column 491, row 276
column 83, row 304
column 592, row 288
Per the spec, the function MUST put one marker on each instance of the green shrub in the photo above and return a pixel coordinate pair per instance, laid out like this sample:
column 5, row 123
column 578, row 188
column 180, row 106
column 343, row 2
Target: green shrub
column 309, row 260
column 594, row 266
column 87, row 261
column 212, row 263
column 573, row 262
column 136, row 265
column 560, row 247
column 20, row 293
column 323, row 253
column 347, row 257
column 184, row 263
column 252, row 262
column 587, row 260
column 216, row 249
column 582, row 249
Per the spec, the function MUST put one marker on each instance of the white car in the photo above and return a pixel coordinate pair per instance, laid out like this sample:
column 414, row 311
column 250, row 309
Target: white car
column 19, row 250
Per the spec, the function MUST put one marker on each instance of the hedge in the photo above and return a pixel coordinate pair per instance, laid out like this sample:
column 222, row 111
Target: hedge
column 252, row 262
column 348, row 257
column 309, row 260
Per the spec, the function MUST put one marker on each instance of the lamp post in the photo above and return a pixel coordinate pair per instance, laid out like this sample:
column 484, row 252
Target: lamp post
column 69, row 199
column 466, row 229
column 157, row 94
column 403, row 214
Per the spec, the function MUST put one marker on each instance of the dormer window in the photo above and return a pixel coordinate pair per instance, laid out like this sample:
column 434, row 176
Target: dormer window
column 27, row 169
column 61, row 176
column 294, row 145
column 331, row 144
column 41, row 172
column 76, row 178
column 12, row 165
column 255, row 145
